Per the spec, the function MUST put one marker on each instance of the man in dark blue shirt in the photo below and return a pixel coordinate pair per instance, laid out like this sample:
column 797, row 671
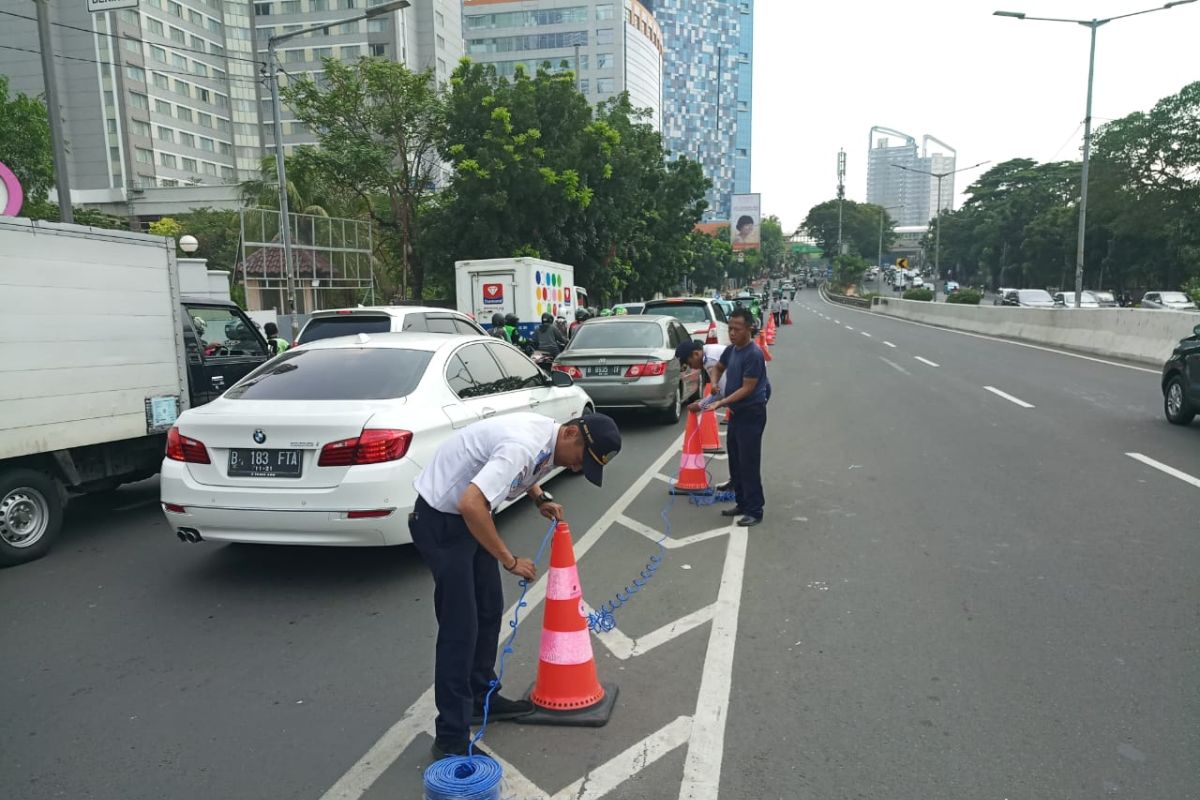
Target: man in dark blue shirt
column 747, row 390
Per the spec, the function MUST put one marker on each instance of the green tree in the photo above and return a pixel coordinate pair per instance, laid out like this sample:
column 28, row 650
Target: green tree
column 860, row 227
column 773, row 246
column 167, row 226
column 25, row 143
column 219, row 235
column 379, row 126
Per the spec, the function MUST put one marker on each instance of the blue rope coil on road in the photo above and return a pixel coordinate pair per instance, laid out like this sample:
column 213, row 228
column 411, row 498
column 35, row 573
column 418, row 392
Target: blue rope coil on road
column 475, row 776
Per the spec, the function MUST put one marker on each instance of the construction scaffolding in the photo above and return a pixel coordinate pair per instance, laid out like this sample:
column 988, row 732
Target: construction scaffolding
column 333, row 261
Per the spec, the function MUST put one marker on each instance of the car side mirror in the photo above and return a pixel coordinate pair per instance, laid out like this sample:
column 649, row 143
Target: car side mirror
column 561, row 379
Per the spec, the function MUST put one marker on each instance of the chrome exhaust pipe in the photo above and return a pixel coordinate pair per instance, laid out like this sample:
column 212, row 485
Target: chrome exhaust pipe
column 182, row 536
column 190, row 535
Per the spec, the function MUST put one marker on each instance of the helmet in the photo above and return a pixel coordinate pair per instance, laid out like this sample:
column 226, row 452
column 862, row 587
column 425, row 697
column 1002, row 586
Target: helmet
column 498, row 319
column 581, row 314
column 620, row 311
column 560, row 319
column 547, row 319
column 512, row 319
column 200, row 325
column 604, row 312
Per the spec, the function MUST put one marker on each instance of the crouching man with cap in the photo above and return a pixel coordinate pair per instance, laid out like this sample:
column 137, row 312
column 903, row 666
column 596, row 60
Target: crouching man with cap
column 469, row 477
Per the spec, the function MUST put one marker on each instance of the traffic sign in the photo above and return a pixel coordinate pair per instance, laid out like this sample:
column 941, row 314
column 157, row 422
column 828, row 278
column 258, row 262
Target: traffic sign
column 902, row 263
column 97, row 6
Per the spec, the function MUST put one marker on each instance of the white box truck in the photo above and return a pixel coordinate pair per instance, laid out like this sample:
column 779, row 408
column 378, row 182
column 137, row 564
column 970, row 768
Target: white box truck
column 527, row 287
column 99, row 353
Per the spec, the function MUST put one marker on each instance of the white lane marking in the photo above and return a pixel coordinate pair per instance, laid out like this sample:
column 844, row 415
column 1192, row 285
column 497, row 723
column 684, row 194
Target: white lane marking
column 601, row 780
column 1009, row 397
column 984, row 336
column 706, row 748
column 1169, row 470
column 664, row 478
column 419, row 717
column 837, row 322
column 864, row 333
column 889, row 344
column 668, row 542
column 849, row 328
column 894, row 365
column 926, row 361
column 624, row 647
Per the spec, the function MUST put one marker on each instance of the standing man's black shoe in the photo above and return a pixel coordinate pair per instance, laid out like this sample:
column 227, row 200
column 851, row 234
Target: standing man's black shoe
column 724, row 487
column 731, row 512
column 442, row 749
column 500, row 709
column 748, row 521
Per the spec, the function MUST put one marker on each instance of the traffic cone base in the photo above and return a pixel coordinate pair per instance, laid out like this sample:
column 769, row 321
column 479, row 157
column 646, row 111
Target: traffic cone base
column 567, row 690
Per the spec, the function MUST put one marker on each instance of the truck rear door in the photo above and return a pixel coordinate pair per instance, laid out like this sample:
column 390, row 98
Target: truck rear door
column 222, row 345
column 492, row 293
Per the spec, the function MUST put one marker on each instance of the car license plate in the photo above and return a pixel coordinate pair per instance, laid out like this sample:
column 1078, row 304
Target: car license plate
column 606, row 370
column 248, row 463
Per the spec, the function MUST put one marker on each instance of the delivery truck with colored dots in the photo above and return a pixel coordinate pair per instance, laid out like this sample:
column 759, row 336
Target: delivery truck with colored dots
column 527, row 287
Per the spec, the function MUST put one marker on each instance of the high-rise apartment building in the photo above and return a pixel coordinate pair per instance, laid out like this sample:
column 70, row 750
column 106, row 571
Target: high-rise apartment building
column 897, row 176
column 612, row 45
column 708, row 84
column 171, row 93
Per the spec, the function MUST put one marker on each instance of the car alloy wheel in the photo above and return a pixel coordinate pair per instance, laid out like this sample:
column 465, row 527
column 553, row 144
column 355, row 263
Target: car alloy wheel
column 1178, row 412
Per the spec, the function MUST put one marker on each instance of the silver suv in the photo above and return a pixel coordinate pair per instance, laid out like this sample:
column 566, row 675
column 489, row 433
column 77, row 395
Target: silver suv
column 386, row 319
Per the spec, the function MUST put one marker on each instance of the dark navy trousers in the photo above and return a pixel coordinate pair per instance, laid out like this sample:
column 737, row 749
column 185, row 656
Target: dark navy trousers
column 744, row 444
column 469, row 602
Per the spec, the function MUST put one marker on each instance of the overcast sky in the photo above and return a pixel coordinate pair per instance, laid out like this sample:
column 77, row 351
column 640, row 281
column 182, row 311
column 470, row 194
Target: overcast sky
column 825, row 71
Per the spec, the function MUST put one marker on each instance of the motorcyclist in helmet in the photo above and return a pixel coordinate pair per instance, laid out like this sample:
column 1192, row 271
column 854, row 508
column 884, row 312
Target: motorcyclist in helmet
column 548, row 338
column 604, row 312
column 581, row 316
column 560, row 322
column 498, row 330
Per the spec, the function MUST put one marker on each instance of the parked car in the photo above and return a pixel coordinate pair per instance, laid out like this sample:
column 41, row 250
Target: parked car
column 321, row 444
column 1001, row 293
column 1172, row 301
column 1181, row 381
column 386, row 319
column 703, row 317
column 629, row 362
column 1028, row 298
column 1106, row 299
column 1067, row 300
column 950, row 287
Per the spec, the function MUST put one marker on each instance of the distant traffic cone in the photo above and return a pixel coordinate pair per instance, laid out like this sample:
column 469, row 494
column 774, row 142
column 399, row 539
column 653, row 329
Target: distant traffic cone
column 710, row 434
column 567, row 691
column 762, row 345
column 693, row 477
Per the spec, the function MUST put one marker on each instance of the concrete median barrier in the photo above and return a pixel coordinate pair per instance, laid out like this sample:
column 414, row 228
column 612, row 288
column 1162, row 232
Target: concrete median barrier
column 1129, row 334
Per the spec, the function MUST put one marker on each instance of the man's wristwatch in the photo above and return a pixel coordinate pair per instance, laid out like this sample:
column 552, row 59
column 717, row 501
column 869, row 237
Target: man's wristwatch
column 543, row 498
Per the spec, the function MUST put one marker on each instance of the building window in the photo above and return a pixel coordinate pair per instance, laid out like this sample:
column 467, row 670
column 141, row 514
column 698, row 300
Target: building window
column 139, row 100
column 108, row 97
column 195, row 17
column 742, row 152
column 350, row 52
column 168, row 182
column 167, row 160
column 209, row 168
column 189, row 164
column 606, row 85
column 183, row 88
column 112, row 125
column 179, row 61
column 139, row 128
column 203, row 94
column 207, row 144
column 154, row 26
column 604, row 35
column 165, row 134
column 175, row 9
column 162, row 107
column 349, row 4
column 377, row 50
column 219, row 74
column 223, row 124
column 184, row 113
column 114, row 154
column 348, row 28
column 158, row 54
column 293, row 56
column 200, row 69
column 177, row 35
column 440, row 18
column 604, row 60
column 227, row 173
column 319, row 5
column 225, row 148
column 585, row 86
column 216, row 49
column 205, row 120
column 441, row 41
column 441, row 65
column 133, row 46
column 143, row 155
column 161, row 81
column 289, row 7
column 214, row 26
column 187, row 139
column 262, row 9
column 378, row 26
column 221, row 101
column 605, row 11
column 135, row 73
column 198, row 44
column 516, row 44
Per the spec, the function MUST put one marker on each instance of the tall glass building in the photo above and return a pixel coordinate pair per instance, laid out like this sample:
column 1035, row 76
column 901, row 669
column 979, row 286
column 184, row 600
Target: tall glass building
column 708, row 83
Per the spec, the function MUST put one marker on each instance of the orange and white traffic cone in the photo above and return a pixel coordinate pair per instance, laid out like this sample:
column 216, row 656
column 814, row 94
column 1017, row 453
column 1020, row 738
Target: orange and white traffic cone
column 710, row 434
column 567, row 691
column 693, row 477
column 762, row 345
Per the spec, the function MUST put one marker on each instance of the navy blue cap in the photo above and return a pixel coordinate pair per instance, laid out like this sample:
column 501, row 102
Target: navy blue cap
column 601, row 443
column 685, row 349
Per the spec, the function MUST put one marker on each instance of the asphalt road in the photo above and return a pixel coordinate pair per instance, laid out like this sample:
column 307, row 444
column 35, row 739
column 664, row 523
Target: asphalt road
column 953, row 596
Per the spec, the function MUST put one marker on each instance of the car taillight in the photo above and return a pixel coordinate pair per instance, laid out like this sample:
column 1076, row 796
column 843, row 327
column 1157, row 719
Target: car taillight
column 712, row 334
column 186, row 449
column 377, row 513
column 574, row 372
column 370, row 447
column 648, row 370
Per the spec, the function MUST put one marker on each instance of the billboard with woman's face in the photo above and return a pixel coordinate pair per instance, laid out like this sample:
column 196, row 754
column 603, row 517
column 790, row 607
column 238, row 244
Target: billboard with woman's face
column 745, row 218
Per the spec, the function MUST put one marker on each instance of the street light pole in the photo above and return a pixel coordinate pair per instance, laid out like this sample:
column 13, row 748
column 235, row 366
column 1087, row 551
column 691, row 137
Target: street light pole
column 937, row 248
column 62, row 181
column 1092, row 25
column 285, row 231
column 882, row 214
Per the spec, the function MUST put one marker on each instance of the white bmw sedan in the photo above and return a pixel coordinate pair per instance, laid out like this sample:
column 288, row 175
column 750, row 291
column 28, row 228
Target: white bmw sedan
column 321, row 444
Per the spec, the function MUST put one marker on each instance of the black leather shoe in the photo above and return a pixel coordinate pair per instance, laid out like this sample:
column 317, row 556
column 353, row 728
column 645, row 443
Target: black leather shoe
column 442, row 749
column 724, row 487
column 731, row 512
column 500, row 709
column 748, row 521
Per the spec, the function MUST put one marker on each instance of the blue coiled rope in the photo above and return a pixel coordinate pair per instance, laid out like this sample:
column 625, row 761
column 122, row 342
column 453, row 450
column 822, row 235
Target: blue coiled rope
column 474, row 776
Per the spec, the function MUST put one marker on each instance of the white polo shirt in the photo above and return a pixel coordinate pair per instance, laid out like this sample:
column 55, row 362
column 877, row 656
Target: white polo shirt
column 712, row 357
column 505, row 457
